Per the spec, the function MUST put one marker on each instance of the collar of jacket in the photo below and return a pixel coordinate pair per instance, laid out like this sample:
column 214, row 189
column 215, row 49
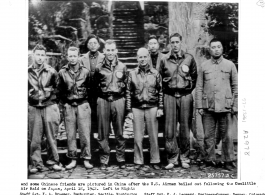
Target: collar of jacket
column 154, row 55
column 144, row 70
column 88, row 54
column 171, row 55
column 93, row 56
column 67, row 66
column 217, row 61
column 106, row 62
column 44, row 67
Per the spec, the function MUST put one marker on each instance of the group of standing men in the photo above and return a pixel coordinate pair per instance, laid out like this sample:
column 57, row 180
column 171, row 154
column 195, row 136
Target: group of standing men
column 100, row 88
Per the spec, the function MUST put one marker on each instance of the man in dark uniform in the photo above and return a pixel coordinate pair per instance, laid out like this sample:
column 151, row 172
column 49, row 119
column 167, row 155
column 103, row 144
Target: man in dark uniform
column 179, row 73
column 110, row 81
column 155, row 54
column 43, row 111
column 144, row 103
column 73, row 86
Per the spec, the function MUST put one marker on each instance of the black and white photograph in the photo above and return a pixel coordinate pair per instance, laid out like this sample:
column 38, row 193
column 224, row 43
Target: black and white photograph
column 105, row 97
column 132, row 90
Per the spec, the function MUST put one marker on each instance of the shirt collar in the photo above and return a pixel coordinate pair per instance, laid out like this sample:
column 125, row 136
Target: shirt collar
column 44, row 66
column 153, row 55
column 68, row 66
column 217, row 61
column 145, row 69
column 180, row 54
column 93, row 56
column 113, row 63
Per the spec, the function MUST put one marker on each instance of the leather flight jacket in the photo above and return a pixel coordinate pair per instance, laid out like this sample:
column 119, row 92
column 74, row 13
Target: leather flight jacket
column 42, row 89
column 179, row 74
column 144, row 89
column 110, row 80
column 74, row 88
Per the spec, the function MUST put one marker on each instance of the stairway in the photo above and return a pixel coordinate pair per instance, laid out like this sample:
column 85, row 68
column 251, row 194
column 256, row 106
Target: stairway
column 128, row 31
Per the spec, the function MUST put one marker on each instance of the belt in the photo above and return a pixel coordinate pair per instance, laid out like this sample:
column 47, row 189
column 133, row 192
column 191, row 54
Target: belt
column 111, row 97
column 76, row 102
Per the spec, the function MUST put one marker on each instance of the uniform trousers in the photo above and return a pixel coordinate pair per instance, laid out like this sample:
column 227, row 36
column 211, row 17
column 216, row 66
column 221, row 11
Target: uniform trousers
column 78, row 118
column 44, row 120
column 107, row 112
column 147, row 115
column 177, row 110
column 224, row 120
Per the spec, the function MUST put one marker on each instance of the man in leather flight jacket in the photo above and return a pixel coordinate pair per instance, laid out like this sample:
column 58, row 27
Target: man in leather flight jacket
column 43, row 111
column 110, row 84
column 73, row 86
column 179, row 73
column 144, row 103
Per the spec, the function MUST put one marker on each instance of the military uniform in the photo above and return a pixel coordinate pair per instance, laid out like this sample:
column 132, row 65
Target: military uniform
column 217, row 94
column 143, row 98
column 110, row 82
column 43, row 113
column 74, row 91
column 179, row 74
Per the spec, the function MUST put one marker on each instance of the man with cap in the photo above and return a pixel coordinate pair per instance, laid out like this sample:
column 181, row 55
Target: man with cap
column 144, row 103
column 155, row 54
column 43, row 111
column 110, row 81
column 74, row 86
column 216, row 100
column 179, row 73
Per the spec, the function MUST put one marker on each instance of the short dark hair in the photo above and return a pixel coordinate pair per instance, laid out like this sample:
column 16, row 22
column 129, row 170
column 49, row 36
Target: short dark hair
column 73, row 49
column 214, row 40
column 175, row 35
column 152, row 37
column 110, row 41
column 39, row 47
column 91, row 36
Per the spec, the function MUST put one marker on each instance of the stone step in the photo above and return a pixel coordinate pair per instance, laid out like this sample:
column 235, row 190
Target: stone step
column 131, row 33
column 120, row 25
column 125, row 28
column 124, row 38
column 126, row 55
column 128, row 60
column 131, row 65
column 124, row 50
column 134, row 42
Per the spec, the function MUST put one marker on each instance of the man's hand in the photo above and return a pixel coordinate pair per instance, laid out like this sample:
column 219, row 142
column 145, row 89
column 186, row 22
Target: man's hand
column 159, row 113
column 201, row 112
column 130, row 115
column 233, row 112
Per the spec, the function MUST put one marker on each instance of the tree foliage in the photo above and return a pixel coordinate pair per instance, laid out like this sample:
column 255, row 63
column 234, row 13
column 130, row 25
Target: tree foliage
column 223, row 24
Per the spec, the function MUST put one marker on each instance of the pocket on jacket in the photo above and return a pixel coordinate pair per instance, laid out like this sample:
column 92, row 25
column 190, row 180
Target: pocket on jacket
column 225, row 74
column 207, row 75
column 205, row 103
column 228, row 100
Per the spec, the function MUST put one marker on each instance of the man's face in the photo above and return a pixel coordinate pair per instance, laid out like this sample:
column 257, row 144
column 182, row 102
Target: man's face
column 110, row 51
column 175, row 43
column 216, row 49
column 72, row 57
column 153, row 45
column 93, row 45
column 143, row 57
column 39, row 56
